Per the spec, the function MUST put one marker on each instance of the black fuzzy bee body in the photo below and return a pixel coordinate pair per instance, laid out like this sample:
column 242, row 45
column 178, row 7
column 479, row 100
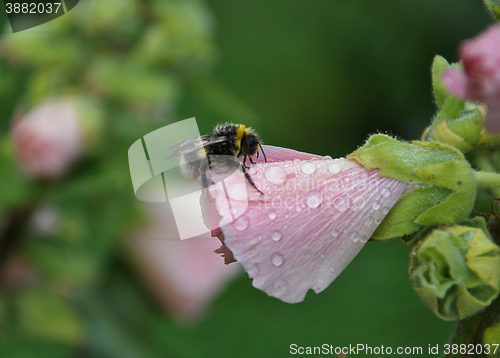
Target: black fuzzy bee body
column 223, row 147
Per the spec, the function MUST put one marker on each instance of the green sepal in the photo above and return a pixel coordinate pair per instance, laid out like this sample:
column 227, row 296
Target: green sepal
column 435, row 165
column 457, row 176
column 452, row 108
column 400, row 221
column 494, row 7
column 456, row 270
column 440, row 92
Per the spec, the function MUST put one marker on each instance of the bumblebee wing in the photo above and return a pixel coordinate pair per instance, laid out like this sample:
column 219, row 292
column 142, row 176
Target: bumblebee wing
column 194, row 144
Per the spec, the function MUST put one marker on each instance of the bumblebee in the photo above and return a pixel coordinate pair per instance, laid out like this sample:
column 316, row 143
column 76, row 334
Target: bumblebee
column 228, row 141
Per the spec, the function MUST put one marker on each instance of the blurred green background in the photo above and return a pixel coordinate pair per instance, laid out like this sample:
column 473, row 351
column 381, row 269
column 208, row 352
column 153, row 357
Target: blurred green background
column 316, row 76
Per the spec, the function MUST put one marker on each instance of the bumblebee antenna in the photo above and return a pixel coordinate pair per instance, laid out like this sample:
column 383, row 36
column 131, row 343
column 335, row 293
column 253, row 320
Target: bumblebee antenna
column 262, row 149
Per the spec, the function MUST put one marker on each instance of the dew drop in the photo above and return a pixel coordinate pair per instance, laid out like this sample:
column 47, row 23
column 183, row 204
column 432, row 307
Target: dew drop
column 369, row 220
column 364, row 238
column 322, row 256
column 277, row 259
column 241, row 223
column 385, row 210
column 313, row 199
column 359, row 203
column 355, row 237
column 296, row 160
column 308, row 168
column 253, row 271
column 363, row 176
column 276, row 236
column 341, row 204
column 334, row 168
column 376, row 205
column 275, row 174
column 252, row 171
column 280, row 288
column 285, row 227
column 272, row 215
column 327, row 157
column 332, row 268
column 298, row 209
column 335, row 233
column 385, row 192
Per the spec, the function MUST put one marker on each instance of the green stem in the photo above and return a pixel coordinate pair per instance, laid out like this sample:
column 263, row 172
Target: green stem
column 487, row 180
column 483, row 163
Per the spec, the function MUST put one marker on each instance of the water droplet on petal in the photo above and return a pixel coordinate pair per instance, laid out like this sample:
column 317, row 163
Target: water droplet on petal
column 253, row 271
column 369, row 220
column 313, row 199
column 322, row 256
column 275, row 174
column 341, row 204
column 335, row 233
column 376, row 205
column 296, row 160
column 280, row 288
column 334, row 168
column 363, row 176
column 308, row 168
column 277, row 259
column 285, row 227
column 359, row 203
column 298, row 209
column 364, row 238
column 385, row 210
column 252, row 171
column 276, row 236
column 355, row 237
column 272, row 215
column 241, row 223
column 385, row 192
column 327, row 157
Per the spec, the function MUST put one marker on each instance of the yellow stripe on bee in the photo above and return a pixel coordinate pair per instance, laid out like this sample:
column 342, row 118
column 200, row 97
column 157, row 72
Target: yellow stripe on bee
column 240, row 132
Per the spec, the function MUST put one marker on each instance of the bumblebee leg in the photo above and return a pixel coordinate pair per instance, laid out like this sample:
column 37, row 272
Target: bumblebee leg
column 245, row 162
column 204, row 180
column 250, row 180
column 251, row 160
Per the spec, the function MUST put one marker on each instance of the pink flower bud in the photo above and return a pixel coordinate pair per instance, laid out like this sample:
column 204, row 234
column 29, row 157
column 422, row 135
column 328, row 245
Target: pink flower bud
column 49, row 139
column 480, row 79
column 309, row 220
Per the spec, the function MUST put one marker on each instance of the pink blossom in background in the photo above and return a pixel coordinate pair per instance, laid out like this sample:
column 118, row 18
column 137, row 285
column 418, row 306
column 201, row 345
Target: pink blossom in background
column 314, row 217
column 184, row 276
column 49, row 139
column 480, row 78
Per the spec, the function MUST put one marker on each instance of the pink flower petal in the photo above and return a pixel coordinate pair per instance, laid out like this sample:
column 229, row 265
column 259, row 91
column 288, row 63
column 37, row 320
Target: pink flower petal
column 456, row 81
column 279, row 154
column 314, row 217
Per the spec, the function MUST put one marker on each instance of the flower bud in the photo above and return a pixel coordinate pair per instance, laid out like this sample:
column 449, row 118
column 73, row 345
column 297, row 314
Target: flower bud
column 480, row 78
column 52, row 137
column 456, row 270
